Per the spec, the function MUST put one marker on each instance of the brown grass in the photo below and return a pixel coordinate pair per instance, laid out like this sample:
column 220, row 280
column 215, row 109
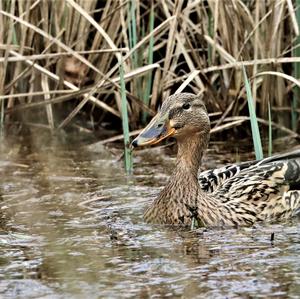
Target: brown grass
column 60, row 59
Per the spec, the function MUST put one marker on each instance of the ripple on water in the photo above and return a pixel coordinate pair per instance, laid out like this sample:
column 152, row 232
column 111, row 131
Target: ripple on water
column 71, row 225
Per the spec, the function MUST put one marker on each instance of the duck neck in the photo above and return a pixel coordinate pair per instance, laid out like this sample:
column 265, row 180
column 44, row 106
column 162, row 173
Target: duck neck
column 190, row 152
column 184, row 179
column 177, row 202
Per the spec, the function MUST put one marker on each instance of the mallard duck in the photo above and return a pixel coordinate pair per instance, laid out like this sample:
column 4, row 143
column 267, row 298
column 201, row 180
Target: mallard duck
column 235, row 195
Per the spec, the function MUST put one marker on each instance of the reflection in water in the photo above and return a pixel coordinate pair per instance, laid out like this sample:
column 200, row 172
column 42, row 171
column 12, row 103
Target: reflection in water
column 71, row 225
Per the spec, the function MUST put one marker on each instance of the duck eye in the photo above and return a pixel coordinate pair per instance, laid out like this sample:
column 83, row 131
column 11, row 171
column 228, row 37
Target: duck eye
column 186, row 106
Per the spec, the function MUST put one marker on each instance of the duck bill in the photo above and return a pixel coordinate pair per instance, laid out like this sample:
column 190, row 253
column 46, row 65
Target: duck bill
column 158, row 129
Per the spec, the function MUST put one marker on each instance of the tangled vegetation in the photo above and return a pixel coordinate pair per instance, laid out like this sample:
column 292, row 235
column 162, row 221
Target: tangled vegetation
column 60, row 61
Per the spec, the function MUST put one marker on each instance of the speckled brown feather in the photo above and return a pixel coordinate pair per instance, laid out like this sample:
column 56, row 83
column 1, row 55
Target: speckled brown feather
column 235, row 195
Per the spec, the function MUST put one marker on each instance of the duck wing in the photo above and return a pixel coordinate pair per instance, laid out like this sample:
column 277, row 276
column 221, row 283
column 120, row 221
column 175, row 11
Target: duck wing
column 266, row 190
column 212, row 179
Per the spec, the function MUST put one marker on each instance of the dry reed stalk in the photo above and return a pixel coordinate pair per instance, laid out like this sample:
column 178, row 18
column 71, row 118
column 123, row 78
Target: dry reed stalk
column 197, row 46
column 58, row 55
column 69, row 85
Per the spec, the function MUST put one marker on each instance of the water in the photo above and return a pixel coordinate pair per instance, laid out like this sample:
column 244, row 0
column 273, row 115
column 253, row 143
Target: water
column 71, row 226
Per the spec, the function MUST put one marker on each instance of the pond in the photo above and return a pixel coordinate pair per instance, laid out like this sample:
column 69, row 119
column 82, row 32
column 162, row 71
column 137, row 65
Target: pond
column 71, row 226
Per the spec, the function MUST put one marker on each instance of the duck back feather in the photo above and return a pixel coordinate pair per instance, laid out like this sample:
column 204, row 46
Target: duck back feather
column 212, row 179
column 271, row 187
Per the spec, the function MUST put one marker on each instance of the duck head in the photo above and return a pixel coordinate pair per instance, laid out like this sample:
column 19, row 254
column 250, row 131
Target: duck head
column 181, row 115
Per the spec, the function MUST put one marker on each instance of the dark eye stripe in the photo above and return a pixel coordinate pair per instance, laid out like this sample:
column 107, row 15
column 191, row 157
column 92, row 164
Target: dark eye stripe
column 198, row 105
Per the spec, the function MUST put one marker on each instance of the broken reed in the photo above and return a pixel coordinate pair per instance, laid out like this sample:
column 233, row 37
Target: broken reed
column 167, row 46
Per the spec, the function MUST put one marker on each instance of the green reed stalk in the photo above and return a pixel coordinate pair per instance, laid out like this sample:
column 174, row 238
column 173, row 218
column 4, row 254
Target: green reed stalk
column 270, row 130
column 253, row 119
column 150, row 61
column 296, row 89
column 133, row 40
column 129, row 25
column 125, row 124
column 14, row 37
column 133, row 31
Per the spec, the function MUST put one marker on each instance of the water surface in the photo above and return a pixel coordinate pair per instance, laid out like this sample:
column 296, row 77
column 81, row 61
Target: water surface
column 71, row 226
